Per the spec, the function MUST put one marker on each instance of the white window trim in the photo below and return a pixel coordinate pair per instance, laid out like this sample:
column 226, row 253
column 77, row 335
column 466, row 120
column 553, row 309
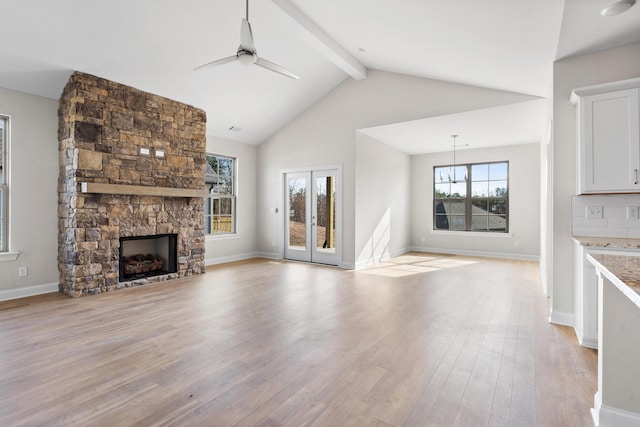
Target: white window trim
column 4, row 220
column 234, row 201
column 4, row 194
column 226, row 236
column 468, row 199
column 9, row 256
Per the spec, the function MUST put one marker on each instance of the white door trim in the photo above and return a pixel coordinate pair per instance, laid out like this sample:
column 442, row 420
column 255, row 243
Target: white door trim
column 339, row 216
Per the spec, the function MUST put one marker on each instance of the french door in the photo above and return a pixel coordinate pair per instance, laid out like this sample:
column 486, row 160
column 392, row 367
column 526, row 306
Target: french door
column 312, row 216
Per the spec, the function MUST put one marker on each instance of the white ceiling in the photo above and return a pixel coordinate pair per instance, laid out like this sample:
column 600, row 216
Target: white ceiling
column 488, row 127
column 155, row 44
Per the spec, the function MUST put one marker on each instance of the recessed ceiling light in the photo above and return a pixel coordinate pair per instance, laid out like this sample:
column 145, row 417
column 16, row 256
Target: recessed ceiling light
column 618, row 7
column 235, row 129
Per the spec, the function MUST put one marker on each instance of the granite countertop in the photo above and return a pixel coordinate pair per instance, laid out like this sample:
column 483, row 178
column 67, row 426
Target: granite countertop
column 622, row 270
column 608, row 242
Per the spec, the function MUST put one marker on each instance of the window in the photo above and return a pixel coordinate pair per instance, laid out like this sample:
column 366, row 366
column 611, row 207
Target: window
column 4, row 146
column 471, row 197
column 220, row 206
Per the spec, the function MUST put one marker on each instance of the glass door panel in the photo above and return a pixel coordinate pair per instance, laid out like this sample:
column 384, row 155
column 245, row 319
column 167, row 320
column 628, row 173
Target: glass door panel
column 325, row 219
column 297, row 227
column 297, row 213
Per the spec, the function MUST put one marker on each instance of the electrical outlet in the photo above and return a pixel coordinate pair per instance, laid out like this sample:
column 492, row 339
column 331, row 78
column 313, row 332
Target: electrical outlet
column 594, row 211
column 632, row 212
column 23, row 272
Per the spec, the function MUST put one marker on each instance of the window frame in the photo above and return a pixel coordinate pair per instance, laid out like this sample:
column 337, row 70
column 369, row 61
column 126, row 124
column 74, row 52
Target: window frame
column 215, row 200
column 4, row 183
column 468, row 199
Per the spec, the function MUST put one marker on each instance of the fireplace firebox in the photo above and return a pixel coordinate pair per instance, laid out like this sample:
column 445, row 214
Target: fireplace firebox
column 147, row 256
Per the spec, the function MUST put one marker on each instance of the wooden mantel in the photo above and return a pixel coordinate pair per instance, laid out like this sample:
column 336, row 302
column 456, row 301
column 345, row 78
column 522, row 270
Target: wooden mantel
column 140, row 190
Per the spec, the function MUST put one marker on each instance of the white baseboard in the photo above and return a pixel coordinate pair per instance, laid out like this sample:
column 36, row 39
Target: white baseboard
column 506, row 255
column 347, row 265
column 28, row 291
column 590, row 343
column 221, row 260
column 269, row 255
column 561, row 318
column 595, row 411
column 606, row 416
column 585, row 341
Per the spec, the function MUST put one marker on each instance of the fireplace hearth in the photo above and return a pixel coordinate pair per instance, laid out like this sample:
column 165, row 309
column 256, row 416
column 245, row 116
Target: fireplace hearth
column 147, row 256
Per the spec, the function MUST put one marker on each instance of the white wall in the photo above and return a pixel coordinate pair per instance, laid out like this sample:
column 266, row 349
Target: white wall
column 383, row 183
column 241, row 245
column 546, row 205
column 523, row 239
column 33, row 194
column 600, row 67
column 325, row 134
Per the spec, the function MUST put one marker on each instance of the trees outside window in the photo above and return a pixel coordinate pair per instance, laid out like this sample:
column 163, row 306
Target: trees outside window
column 220, row 206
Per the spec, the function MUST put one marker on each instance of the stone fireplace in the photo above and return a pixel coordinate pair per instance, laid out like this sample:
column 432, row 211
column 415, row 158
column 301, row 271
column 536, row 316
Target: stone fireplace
column 131, row 165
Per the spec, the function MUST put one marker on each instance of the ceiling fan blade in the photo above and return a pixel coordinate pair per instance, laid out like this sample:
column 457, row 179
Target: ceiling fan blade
column 275, row 68
column 246, row 36
column 217, row 62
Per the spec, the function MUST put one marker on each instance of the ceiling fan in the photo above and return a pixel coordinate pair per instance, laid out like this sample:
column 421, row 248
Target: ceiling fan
column 247, row 53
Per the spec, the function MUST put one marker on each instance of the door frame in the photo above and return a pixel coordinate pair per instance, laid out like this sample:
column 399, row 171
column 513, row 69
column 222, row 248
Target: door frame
column 339, row 208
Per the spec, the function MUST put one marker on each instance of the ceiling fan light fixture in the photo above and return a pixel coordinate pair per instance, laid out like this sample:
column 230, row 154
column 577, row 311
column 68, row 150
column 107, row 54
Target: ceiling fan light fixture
column 618, row 7
column 247, row 58
column 247, row 54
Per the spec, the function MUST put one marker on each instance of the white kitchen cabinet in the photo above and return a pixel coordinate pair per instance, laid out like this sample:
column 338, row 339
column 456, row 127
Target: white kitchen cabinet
column 608, row 127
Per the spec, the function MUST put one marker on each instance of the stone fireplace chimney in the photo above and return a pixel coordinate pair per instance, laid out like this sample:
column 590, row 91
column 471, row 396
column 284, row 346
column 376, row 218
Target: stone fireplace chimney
column 131, row 164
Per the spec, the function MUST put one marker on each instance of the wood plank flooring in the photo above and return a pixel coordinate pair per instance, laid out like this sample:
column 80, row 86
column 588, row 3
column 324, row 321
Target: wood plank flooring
column 422, row 340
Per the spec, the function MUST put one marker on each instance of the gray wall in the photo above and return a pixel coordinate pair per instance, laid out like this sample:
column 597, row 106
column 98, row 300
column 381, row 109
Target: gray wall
column 383, row 184
column 33, row 196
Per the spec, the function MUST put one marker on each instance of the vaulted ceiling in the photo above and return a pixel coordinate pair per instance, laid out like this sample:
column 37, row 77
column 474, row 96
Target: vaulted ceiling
column 155, row 44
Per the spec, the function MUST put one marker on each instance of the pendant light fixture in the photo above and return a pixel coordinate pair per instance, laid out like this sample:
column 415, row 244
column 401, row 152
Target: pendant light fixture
column 454, row 180
column 454, row 161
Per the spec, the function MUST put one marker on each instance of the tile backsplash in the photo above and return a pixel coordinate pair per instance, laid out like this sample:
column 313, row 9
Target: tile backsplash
column 613, row 215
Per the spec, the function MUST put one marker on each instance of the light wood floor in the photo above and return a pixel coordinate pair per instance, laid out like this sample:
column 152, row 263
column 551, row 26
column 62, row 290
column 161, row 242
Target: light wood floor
column 426, row 340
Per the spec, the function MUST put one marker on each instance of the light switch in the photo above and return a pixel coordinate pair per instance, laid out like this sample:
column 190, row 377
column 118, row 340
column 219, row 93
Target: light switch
column 594, row 211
